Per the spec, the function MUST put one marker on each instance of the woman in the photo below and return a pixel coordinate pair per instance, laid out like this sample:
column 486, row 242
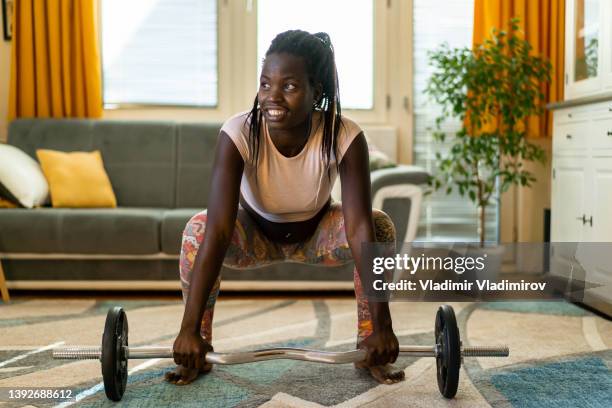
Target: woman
column 272, row 177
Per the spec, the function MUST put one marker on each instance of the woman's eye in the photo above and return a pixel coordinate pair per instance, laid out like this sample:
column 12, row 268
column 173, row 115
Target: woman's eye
column 290, row 87
column 264, row 85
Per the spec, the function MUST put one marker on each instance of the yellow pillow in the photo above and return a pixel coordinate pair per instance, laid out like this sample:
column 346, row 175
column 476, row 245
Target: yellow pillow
column 76, row 179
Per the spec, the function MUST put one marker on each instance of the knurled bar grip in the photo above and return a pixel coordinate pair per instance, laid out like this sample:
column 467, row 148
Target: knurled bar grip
column 330, row 357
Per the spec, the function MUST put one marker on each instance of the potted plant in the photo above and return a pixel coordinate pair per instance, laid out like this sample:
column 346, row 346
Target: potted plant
column 492, row 89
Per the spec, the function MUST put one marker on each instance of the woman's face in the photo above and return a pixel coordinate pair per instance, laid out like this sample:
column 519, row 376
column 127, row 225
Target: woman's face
column 285, row 94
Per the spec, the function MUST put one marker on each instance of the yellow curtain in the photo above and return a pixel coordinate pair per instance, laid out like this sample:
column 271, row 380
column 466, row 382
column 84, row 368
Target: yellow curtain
column 543, row 24
column 55, row 60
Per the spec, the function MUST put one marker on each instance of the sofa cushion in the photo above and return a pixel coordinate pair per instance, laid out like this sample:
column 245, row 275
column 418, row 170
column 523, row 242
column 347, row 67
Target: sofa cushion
column 87, row 270
column 195, row 156
column 172, row 226
column 54, row 134
column 139, row 158
column 127, row 231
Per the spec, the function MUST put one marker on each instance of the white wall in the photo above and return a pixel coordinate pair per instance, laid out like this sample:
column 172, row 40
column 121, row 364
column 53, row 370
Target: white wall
column 5, row 70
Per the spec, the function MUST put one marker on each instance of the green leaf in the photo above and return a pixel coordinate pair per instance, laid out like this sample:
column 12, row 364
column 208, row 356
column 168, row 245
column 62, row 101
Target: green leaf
column 504, row 80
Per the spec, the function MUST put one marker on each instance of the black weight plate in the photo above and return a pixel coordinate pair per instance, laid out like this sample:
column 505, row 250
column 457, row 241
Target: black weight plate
column 448, row 360
column 114, row 361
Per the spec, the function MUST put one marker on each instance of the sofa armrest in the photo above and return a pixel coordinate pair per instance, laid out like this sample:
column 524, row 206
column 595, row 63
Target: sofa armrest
column 402, row 174
column 400, row 185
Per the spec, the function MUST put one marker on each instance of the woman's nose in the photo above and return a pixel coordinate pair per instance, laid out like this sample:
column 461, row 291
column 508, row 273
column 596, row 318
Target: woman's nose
column 275, row 93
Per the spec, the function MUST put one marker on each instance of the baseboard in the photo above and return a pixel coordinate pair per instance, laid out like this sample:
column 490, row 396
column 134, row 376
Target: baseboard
column 228, row 285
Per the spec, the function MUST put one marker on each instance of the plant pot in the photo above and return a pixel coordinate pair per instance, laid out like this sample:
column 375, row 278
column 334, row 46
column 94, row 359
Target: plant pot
column 492, row 256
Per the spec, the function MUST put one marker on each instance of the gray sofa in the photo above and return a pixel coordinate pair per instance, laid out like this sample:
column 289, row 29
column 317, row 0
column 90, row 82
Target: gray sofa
column 160, row 174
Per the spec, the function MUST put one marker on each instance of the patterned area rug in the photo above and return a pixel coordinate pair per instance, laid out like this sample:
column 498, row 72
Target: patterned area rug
column 560, row 354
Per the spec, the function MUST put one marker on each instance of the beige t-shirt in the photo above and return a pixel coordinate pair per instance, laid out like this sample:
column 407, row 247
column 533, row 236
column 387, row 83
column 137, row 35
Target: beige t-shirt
column 288, row 189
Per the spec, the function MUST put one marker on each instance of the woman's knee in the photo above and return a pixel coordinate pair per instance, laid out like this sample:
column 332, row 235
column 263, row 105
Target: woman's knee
column 194, row 229
column 190, row 242
column 383, row 225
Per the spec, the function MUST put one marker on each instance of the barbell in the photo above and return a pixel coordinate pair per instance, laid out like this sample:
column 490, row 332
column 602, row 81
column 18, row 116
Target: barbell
column 115, row 352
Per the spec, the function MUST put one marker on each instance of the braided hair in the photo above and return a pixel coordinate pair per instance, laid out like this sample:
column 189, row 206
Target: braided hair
column 318, row 54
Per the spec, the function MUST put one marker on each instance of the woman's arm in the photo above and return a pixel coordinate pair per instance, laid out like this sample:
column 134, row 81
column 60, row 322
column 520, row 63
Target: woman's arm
column 357, row 210
column 221, row 218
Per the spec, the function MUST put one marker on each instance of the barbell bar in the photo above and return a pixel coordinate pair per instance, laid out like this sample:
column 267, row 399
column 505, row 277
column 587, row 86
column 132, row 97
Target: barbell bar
column 287, row 353
column 114, row 353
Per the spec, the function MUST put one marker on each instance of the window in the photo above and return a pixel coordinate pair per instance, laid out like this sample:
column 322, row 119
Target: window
column 354, row 63
column 208, row 53
column 160, row 52
column 452, row 217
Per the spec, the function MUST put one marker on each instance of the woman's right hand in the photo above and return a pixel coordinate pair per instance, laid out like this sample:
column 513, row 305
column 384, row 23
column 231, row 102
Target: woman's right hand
column 190, row 349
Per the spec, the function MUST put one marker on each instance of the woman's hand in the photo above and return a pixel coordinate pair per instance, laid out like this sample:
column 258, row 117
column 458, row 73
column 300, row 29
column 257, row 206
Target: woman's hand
column 382, row 347
column 190, row 349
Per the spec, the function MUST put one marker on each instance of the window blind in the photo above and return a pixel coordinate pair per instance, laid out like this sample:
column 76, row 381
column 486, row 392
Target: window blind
column 160, row 52
column 443, row 217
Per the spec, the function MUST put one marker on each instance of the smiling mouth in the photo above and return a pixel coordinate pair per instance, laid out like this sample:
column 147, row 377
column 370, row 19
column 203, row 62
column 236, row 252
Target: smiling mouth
column 276, row 114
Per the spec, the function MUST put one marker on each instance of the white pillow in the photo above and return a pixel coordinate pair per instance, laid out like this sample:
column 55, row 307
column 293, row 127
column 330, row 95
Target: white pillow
column 22, row 177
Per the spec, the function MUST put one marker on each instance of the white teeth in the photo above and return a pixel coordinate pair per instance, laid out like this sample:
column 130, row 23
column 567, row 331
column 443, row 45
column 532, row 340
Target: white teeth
column 275, row 112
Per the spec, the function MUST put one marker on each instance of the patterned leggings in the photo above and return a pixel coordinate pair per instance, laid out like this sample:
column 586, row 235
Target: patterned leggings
column 250, row 248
